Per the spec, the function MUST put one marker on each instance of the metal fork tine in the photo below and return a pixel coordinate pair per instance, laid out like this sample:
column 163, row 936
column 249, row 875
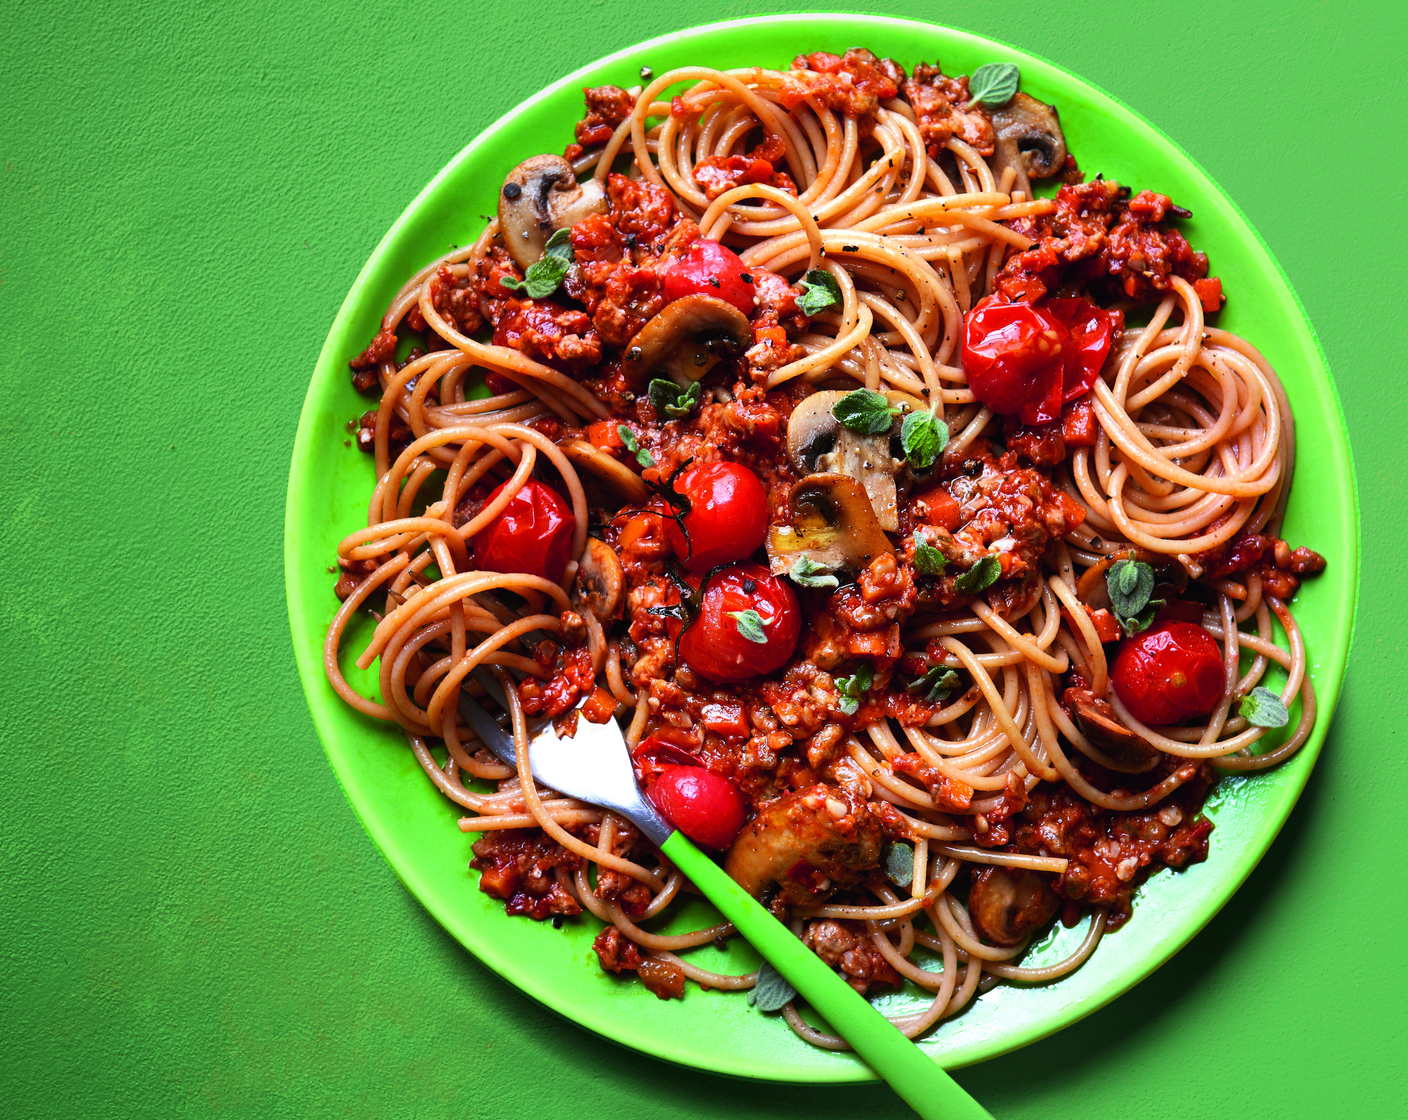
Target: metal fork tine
column 487, row 728
column 592, row 764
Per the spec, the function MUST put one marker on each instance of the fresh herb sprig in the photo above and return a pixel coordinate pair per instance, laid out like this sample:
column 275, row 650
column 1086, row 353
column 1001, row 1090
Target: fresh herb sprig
column 1263, row 708
column 928, row 560
column 771, row 992
column 819, row 291
column 628, row 437
column 898, row 859
column 854, row 687
column 1131, row 587
column 806, row 572
column 750, row 625
column 865, row 411
column 669, row 399
column 923, row 437
column 980, row 576
column 547, row 272
column 994, row 84
column 935, row 685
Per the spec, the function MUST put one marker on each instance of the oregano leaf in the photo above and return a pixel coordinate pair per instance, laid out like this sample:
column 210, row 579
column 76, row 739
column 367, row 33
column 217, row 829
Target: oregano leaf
column 936, row 684
column 772, row 992
column 865, row 411
column 898, row 860
column 669, row 399
column 1263, row 708
column 750, row 625
column 806, row 572
column 1131, row 587
column 928, row 560
column 852, row 688
column 547, row 272
column 980, row 576
column 923, row 437
column 819, row 291
column 628, row 437
column 994, row 84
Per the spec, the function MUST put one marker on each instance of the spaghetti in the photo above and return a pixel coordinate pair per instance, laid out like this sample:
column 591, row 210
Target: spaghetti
column 781, row 313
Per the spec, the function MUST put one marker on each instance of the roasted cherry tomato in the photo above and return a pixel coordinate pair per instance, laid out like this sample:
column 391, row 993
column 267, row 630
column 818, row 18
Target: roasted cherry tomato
column 655, row 753
column 716, row 646
column 705, row 807
column 1168, row 673
column 712, row 270
column 1090, row 330
column 1014, row 355
column 533, row 534
column 727, row 520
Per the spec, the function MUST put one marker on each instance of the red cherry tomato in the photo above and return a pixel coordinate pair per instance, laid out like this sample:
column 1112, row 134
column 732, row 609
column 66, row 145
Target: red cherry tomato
column 1014, row 355
column 714, row 647
column 655, row 753
column 1168, row 673
column 727, row 520
column 705, row 807
column 1090, row 329
column 712, row 270
column 533, row 534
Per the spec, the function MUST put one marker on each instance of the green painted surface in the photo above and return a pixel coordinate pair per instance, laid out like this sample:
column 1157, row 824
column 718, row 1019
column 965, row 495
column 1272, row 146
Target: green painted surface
column 193, row 920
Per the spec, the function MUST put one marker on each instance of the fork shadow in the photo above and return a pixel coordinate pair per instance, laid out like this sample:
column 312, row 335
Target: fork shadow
column 1109, row 1039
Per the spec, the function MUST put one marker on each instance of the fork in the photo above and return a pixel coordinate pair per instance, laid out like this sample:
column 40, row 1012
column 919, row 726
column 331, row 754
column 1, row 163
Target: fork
column 593, row 765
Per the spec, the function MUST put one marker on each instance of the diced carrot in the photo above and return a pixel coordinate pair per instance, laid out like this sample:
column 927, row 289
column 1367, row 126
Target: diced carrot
column 725, row 719
column 1106, row 628
column 1210, row 292
column 599, row 707
column 1079, row 427
column 938, row 507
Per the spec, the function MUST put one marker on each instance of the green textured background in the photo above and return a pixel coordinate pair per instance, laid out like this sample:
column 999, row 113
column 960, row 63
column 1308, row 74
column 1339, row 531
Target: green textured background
column 191, row 920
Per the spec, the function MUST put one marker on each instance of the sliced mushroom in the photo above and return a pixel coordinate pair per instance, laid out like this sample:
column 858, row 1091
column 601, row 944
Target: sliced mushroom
column 601, row 581
column 818, row 442
column 1029, row 139
column 1099, row 723
column 1007, row 905
column 607, row 468
column 538, row 196
column 685, row 340
column 808, row 842
column 833, row 526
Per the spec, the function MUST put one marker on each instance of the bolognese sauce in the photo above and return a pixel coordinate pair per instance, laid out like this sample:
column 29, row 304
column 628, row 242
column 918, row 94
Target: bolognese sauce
column 908, row 519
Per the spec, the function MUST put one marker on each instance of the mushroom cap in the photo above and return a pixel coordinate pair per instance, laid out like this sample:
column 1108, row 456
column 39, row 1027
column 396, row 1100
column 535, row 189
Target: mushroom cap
column 1099, row 723
column 1007, row 904
column 538, row 196
column 601, row 580
column 830, row 828
column 818, row 442
column 1029, row 138
column 833, row 525
column 685, row 339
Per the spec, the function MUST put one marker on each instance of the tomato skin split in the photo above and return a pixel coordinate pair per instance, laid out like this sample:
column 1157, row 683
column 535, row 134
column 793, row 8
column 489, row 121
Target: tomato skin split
column 533, row 534
column 1027, row 359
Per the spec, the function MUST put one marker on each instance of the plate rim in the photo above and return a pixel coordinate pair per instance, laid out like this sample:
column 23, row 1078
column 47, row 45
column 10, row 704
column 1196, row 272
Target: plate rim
column 309, row 660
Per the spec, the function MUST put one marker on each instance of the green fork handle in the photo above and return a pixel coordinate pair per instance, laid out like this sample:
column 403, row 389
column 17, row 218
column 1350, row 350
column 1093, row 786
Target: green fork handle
column 919, row 1080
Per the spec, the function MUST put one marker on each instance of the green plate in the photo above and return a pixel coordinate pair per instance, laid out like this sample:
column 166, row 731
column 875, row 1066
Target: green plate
column 415, row 828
